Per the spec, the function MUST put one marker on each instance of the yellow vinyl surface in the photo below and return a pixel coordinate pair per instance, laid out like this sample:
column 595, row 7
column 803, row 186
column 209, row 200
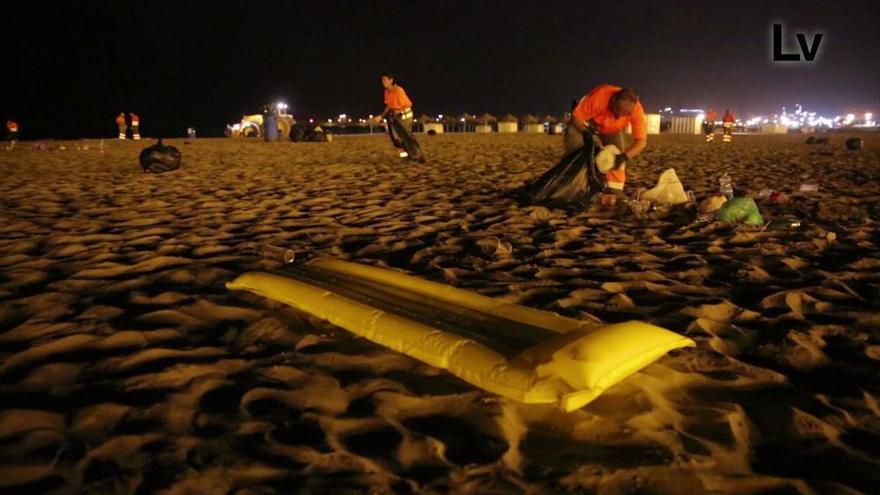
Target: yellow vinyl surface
column 569, row 370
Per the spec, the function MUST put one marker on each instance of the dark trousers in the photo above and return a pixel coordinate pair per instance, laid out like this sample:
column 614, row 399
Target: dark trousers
column 395, row 139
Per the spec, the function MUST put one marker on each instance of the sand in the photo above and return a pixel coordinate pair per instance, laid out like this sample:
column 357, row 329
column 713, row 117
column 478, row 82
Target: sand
column 128, row 368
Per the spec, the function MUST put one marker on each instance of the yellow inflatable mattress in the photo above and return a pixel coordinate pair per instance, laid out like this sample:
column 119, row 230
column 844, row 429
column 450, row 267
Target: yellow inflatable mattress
column 528, row 355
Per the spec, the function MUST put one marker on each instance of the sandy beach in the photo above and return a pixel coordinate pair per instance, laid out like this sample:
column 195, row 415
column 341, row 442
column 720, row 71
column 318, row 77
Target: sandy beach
column 127, row 367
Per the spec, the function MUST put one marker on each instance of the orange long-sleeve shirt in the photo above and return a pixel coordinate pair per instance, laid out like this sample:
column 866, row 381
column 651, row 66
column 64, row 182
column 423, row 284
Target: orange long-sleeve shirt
column 396, row 98
column 595, row 106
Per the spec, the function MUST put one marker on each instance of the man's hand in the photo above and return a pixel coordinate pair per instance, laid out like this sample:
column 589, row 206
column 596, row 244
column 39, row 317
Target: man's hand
column 620, row 160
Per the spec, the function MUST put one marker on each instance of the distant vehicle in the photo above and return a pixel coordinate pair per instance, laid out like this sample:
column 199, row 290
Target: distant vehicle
column 253, row 126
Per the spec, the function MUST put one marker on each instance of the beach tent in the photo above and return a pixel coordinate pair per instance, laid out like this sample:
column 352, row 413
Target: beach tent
column 467, row 121
column 687, row 125
column 484, row 123
column 531, row 124
column 773, row 129
column 554, row 125
column 430, row 124
column 652, row 122
column 451, row 123
column 507, row 124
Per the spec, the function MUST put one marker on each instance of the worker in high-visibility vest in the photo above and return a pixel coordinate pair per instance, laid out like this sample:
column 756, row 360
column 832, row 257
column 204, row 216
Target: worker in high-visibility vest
column 11, row 130
column 727, row 126
column 709, row 125
column 609, row 110
column 135, row 126
column 120, row 123
column 398, row 104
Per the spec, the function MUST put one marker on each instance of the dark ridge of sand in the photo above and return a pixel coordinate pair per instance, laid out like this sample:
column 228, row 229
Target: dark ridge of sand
column 128, row 368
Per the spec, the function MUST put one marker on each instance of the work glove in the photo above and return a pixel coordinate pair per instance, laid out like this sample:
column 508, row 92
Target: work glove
column 620, row 160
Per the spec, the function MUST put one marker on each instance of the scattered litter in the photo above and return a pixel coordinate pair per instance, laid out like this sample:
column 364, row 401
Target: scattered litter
column 742, row 210
column 854, row 143
column 668, row 192
column 158, row 158
column 493, row 246
column 809, row 187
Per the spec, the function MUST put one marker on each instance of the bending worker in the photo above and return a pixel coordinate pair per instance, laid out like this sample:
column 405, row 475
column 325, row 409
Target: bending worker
column 397, row 103
column 608, row 110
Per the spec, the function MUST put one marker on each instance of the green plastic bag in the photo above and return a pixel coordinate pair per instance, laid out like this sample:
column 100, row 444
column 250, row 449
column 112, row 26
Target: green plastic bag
column 741, row 210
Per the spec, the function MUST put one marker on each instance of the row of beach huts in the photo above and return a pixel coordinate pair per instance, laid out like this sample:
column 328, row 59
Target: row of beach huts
column 488, row 123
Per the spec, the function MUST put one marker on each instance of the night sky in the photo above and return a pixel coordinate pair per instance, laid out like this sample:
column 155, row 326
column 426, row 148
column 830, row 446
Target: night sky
column 76, row 65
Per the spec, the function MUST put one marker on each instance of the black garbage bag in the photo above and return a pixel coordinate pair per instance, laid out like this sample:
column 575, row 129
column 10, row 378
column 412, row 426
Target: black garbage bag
column 307, row 132
column 158, row 158
column 572, row 182
column 854, row 143
column 399, row 134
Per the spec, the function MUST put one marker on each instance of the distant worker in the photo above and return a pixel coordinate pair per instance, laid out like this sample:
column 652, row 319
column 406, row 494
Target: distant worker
column 11, row 132
column 135, row 126
column 120, row 123
column 709, row 125
column 607, row 110
column 727, row 125
column 398, row 106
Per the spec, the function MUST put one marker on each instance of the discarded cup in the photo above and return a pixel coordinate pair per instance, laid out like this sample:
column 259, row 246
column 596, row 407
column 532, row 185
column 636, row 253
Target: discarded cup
column 493, row 246
column 540, row 214
column 276, row 252
column 692, row 198
column 809, row 187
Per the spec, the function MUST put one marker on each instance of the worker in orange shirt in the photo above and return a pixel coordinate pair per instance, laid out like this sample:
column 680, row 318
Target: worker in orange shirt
column 11, row 132
column 135, row 126
column 709, row 125
column 399, row 106
column 607, row 110
column 727, row 126
column 120, row 123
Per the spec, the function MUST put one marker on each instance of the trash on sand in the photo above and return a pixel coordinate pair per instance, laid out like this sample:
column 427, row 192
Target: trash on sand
column 668, row 192
column 783, row 224
column 809, row 188
column 540, row 214
column 159, row 158
column 854, row 143
column 774, row 196
column 742, row 210
column 712, row 203
column 725, row 186
column 275, row 252
column 493, row 246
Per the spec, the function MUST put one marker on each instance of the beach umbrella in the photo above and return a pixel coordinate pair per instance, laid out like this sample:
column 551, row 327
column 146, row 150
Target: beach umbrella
column 486, row 118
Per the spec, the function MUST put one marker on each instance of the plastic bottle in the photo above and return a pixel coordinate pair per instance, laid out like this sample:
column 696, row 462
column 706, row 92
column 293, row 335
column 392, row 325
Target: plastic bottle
column 784, row 224
column 725, row 186
column 277, row 252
